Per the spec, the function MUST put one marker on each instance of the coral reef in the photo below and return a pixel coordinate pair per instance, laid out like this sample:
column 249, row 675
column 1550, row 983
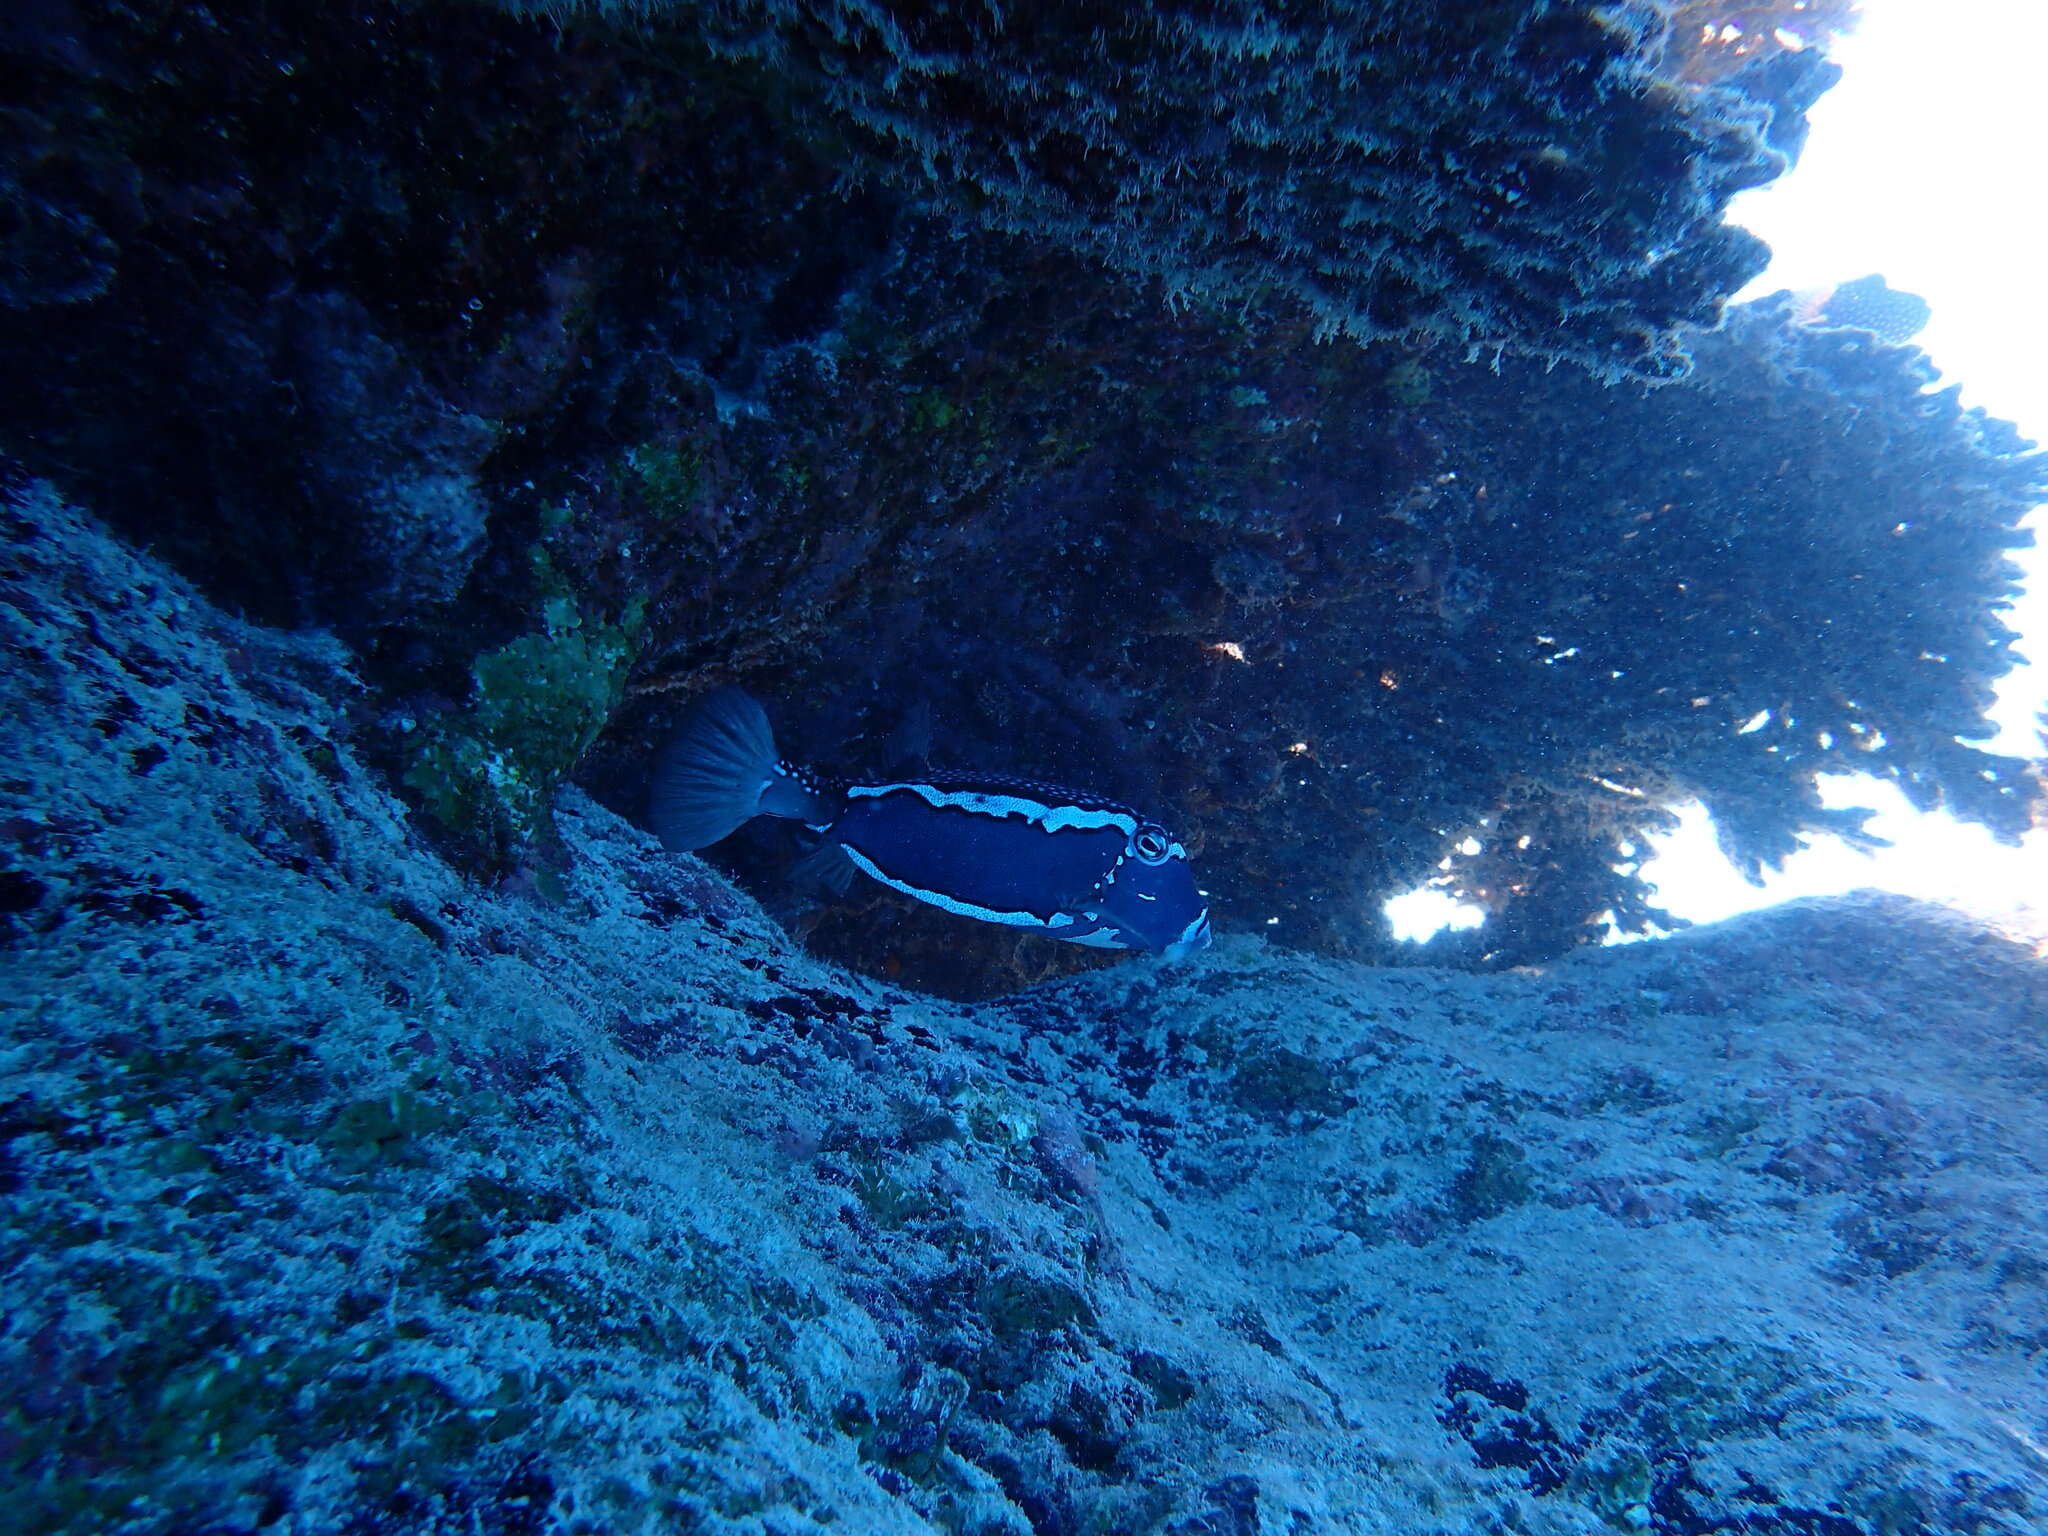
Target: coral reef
column 1349, row 632
column 343, row 1193
column 1389, row 170
column 565, row 369
column 1714, row 39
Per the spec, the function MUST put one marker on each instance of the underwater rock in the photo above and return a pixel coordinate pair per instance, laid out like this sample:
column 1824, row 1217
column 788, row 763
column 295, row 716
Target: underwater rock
column 342, row 1192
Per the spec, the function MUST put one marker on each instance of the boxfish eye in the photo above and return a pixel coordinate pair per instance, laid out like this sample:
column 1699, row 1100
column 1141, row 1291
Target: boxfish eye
column 1151, row 845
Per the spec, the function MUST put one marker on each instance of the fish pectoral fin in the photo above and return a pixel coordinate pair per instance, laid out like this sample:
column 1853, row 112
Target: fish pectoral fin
column 1079, row 913
column 1083, row 904
column 826, row 867
column 1095, row 935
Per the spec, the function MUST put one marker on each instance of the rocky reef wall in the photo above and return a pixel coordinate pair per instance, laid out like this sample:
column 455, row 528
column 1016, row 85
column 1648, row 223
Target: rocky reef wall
column 346, row 1193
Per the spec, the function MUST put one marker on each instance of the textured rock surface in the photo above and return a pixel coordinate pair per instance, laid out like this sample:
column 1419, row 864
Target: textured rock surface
column 342, row 1194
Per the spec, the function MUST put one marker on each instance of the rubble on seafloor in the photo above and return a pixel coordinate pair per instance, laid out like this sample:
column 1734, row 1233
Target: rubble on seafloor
column 344, row 1194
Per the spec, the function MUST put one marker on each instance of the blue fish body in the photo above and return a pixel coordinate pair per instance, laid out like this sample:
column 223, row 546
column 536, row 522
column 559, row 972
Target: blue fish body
column 1067, row 863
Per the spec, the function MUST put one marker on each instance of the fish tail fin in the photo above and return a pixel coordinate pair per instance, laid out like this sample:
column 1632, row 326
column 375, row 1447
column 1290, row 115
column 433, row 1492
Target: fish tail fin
column 720, row 770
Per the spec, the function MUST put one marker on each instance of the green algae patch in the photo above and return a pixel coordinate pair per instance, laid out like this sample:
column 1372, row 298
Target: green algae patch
column 1715, row 1389
column 1616, row 1485
column 1409, row 383
column 670, row 476
column 1493, row 1181
column 892, row 1204
column 385, row 1128
column 1281, row 1084
column 539, row 702
column 931, row 411
column 1018, row 1302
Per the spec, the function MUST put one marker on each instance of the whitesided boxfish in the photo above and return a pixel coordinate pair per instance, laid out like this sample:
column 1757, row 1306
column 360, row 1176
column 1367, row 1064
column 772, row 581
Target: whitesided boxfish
column 988, row 846
column 1867, row 303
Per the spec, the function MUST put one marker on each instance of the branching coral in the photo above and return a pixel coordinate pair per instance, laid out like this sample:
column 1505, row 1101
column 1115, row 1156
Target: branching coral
column 1518, row 176
column 1712, row 40
column 1352, row 622
column 1794, row 564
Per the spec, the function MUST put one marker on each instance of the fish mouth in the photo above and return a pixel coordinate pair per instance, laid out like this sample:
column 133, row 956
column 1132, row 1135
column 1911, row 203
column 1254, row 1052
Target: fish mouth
column 1195, row 936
